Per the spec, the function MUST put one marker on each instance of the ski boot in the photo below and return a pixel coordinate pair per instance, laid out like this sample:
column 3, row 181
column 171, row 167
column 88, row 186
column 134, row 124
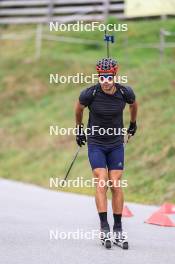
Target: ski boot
column 105, row 237
column 120, row 238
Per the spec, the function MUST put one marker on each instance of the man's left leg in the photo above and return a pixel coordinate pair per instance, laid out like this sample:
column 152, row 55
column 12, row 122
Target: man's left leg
column 115, row 164
column 120, row 237
column 117, row 196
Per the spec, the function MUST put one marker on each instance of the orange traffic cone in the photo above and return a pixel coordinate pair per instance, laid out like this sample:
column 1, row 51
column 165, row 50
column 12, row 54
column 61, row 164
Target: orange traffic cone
column 167, row 208
column 158, row 218
column 126, row 212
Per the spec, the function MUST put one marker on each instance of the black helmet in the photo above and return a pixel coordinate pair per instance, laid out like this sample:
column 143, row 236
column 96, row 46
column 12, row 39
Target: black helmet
column 107, row 65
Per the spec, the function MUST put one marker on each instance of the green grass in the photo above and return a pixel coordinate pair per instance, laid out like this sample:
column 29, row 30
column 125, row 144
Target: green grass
column 29, row 105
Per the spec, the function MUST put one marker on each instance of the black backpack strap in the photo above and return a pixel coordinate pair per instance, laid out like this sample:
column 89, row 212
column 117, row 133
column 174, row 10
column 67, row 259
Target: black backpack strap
column 95, row 90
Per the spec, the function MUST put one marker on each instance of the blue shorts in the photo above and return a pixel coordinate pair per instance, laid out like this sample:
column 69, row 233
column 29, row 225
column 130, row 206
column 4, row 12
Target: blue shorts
column 111, row 158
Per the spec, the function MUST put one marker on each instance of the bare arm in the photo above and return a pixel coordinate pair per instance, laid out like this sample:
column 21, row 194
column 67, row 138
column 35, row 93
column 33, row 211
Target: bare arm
column 79, row 108
column 133, row 111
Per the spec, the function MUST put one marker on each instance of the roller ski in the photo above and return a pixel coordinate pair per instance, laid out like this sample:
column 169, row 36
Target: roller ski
column 120, row 238
column 105, row 237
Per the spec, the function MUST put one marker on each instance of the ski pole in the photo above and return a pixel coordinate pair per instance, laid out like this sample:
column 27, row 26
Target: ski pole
column 70, row 167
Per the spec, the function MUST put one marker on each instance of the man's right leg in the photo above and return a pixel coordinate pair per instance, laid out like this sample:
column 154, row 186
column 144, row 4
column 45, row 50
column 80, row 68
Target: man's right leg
column 97, row 159
column 100, row 175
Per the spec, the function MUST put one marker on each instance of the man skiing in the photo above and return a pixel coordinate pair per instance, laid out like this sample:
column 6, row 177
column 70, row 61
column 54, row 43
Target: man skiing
column 106, row 102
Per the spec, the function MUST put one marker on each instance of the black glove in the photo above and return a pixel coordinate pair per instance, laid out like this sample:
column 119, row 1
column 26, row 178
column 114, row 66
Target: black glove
column 80, row 137
column 132, row 128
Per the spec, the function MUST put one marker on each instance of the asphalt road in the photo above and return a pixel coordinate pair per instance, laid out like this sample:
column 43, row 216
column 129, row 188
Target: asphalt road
column 29, row 215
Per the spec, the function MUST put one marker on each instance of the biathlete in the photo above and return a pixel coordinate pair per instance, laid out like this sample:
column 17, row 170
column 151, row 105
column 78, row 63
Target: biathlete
column 106, row 102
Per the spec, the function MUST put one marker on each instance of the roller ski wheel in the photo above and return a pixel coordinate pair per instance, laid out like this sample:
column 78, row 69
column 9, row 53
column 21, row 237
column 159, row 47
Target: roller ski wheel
column 107, row 243
column 122, row 244
column 105, row 237
column 120, row 239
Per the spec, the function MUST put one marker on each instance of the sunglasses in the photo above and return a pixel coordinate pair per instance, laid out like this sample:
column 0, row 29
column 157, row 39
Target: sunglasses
column 106, row 78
